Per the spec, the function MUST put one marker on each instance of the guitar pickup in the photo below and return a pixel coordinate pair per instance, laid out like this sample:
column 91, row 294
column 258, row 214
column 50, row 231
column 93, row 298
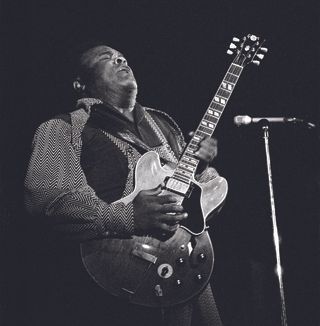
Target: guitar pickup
column 178, row 187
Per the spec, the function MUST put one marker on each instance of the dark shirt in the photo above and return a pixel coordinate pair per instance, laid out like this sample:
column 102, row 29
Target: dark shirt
column 105, row 167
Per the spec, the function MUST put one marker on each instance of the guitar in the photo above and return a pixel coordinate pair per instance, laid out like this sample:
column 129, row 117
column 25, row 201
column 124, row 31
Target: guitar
column 158, row 270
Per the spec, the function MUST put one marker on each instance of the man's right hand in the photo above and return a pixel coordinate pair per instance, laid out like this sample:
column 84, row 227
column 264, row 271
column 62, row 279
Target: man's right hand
column 152, row 211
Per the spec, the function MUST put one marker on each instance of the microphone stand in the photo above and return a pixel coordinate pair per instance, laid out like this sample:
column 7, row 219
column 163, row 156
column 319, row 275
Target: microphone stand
column 265, row 129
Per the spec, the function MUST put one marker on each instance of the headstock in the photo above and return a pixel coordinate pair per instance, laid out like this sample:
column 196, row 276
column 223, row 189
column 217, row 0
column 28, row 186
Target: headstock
column 248, row 49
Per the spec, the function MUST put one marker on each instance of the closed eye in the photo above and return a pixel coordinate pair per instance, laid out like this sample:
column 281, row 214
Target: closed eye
column 105, row 55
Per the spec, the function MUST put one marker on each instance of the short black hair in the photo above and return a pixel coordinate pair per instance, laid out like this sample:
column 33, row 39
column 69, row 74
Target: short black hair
column 77, row 67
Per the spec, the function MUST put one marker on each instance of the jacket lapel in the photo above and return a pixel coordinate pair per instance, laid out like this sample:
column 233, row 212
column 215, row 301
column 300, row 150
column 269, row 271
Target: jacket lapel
column 129, row 137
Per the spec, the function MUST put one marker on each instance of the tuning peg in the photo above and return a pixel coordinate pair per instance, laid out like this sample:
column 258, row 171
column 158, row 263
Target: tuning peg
column 253, row 37
column 260, row 56
column 265, row 50
column 232, row 46
column 229, row 52
column 256, row 62
column 235, row 39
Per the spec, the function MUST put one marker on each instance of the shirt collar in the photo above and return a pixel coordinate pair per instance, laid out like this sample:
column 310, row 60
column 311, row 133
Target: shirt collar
column 87, row 102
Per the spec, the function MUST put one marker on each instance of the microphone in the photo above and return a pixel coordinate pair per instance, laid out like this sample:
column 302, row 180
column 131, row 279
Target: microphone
column 246, row 120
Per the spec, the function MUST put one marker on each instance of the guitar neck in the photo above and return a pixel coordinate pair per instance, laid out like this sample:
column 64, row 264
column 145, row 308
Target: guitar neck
column 188, row 163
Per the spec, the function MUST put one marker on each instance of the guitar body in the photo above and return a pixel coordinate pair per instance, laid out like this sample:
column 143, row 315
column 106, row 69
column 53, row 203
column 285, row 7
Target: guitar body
column 148, row 271
column 159, row 270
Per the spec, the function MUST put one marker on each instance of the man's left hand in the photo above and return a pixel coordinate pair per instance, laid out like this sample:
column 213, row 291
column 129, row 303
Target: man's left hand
column 208, row 150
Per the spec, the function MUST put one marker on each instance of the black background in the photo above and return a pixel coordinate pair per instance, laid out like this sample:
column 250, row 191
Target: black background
column 177, row 50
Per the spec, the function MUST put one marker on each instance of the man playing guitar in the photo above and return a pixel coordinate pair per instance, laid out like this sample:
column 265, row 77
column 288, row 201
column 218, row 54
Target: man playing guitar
column 83, row 162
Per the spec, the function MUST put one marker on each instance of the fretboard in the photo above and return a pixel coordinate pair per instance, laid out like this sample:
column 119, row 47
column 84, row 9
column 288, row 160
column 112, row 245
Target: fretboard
column 188, row 163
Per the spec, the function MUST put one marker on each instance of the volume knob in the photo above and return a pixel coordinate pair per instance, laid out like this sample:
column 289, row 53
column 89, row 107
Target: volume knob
column 179, row 283
column 202, row 257
column 198, row 278
column 164, row 271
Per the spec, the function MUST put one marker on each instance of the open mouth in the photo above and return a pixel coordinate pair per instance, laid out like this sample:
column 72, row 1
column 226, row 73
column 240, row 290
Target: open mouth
column 126, row 69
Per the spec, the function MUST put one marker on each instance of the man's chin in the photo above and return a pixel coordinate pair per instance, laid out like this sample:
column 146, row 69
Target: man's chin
column 129, row 84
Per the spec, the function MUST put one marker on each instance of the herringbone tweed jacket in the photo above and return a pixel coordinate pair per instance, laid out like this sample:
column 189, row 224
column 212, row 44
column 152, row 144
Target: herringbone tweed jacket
column 56, row 186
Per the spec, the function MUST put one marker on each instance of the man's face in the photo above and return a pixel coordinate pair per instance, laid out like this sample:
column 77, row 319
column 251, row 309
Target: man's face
column 108, row 72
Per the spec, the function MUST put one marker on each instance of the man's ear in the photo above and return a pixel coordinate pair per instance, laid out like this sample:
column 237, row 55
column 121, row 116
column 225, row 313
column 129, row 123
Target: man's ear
column 78, row 86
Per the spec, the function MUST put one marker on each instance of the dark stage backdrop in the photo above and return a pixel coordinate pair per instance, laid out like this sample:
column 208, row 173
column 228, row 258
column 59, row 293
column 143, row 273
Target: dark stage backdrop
column 177, row 50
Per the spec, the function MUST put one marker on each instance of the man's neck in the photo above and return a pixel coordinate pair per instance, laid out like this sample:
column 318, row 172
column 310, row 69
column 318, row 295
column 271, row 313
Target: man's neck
column 121, row 96
column 123, row 100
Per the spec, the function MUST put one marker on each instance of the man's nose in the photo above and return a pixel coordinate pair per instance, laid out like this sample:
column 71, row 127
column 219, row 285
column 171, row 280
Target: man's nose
column 120, row 60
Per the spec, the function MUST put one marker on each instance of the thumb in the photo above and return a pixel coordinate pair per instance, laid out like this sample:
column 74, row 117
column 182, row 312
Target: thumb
column 155, row 191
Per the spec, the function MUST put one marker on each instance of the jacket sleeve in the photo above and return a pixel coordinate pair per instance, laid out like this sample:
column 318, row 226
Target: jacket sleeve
column 206, row 175
column 56, row 187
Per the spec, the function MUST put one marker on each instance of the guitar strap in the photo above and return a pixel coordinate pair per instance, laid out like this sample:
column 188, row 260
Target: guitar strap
column 165, row 150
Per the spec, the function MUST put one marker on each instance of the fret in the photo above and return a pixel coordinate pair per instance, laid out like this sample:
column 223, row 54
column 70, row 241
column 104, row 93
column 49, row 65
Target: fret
column 191, row 156
column 214, row 112
column 219, row 100
column 235, row 64
column 229, row 82
column 201, row 134
column 227, row 86
column 188, row 162
column 185, row 170
column 224, row 93
column 189, row 151
column 235, row 69
column 184, row 173
column 193, row 147
column 231, row 78
column 216, row 106
column 206, row 130
column 208, row 123
column 211, row 118
column 187, row 166
column 180, row 177
column 194, row 142
column 187, row 155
